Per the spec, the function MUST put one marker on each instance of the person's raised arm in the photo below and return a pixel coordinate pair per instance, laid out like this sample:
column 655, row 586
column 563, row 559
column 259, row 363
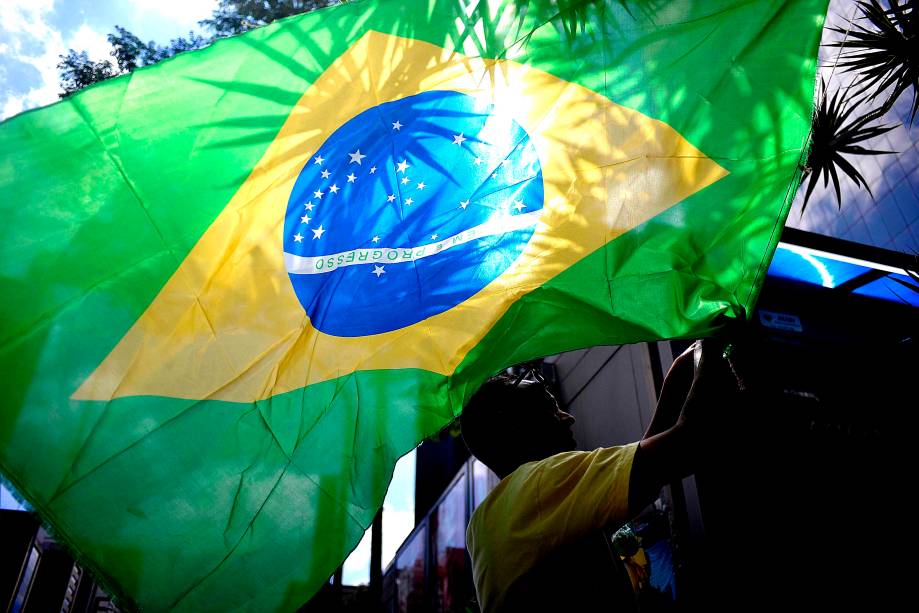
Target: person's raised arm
column 668, row 450
column 673, row 393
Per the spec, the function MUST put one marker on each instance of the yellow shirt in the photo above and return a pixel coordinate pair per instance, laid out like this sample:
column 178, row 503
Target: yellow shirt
column 540, row 507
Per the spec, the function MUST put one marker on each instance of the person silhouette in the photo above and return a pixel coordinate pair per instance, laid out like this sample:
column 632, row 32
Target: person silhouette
column 536, row 541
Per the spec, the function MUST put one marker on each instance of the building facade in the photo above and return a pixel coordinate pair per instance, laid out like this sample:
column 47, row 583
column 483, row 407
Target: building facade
column 798, row 465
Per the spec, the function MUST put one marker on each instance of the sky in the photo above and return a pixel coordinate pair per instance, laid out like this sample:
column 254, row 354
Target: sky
column 33, row 33
column 398, row 521
column 8, row 501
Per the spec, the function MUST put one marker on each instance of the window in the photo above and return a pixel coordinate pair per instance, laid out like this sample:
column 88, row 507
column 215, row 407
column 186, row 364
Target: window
column 451, row 584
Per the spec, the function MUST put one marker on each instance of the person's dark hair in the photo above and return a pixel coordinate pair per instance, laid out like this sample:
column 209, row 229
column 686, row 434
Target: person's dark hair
column 498, row 424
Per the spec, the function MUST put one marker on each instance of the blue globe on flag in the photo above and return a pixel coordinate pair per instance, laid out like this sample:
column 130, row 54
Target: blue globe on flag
column 407, row 210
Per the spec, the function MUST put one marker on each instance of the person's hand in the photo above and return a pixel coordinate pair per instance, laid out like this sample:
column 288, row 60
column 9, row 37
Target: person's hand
column 712, row 379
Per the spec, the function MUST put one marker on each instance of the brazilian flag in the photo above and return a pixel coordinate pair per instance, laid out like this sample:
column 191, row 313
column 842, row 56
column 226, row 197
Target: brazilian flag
column 236, row 286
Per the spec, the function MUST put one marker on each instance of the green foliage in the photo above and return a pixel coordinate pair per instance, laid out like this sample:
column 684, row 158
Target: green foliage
column 233, row 17
column 884, row 52
column 77, row 70
column 835, row 132
column 130, row 52
column 881, row 48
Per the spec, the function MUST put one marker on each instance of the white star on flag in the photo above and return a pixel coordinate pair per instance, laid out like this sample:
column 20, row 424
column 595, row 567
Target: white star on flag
column 351, row 178
column 391, row 198
column 421, row 185
column 357, row 156
column 408, row 202
column 433, row 237
column 378, row 270
column 334, row 188
column 325, row 174
column 458, row 139
column 405, row 180
column 298, row 237
column 305, row 219
column 373, row 169
column 396, row 125
column 519, row 205
column 317, row 194
column 402, row 166
column 464, row 204
column 318, row 160
column 308, row 206
column 317, row 233
column 375, row 239
column 477, row 161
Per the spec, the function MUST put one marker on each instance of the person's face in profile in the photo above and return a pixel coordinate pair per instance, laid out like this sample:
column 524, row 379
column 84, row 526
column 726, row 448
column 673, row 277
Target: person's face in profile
column 550, row 427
